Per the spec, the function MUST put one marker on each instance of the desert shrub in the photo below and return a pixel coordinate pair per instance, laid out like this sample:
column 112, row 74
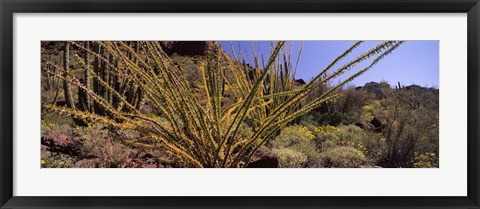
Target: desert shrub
column 330, row 144
column 93, row 130
column 56, row 160
column 295, row 138
column 293, row 135
column 351, row 100
column 411, row 119
column 335, row 118
column 428, row 141
column 329, row 137
column 345, row 109
column 99, row 144
column 425, row 160
column 342, row 157
column 244, row 132
column 58, row 128
column 369, row 143
column 55, row 122
column 367, row 112
column 178, row 59
column 193, row 74
column 325, row 134
column 355, row 134
column 289, row 158
column 308, row 121
column 343, row 135
column 350, row 132
column 111, row 155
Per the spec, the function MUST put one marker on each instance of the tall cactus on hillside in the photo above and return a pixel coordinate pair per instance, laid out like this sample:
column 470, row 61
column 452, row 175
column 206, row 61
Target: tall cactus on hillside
column 51, row 82
column 105, row 68
column 84, row 100
column 86, row 78
column 66, row 83
column 96, row 72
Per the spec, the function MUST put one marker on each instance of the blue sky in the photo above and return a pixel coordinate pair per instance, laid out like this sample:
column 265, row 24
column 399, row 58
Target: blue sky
column 414, row 62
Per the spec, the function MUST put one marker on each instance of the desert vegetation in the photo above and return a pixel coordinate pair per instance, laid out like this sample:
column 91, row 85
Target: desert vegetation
column 159, row 104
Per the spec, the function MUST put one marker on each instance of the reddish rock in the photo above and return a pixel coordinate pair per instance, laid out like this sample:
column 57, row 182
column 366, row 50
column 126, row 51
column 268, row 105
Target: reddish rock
column 58, row 142
column 87, row 163
column 141, row 159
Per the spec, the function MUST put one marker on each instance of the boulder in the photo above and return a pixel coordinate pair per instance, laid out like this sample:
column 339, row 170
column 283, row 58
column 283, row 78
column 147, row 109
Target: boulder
column 300, row 82
column 365, row 125
column 59, row 142
column 376, row 122
column 379, row 126
column 374, row 125
column 187, row 48
column 374, row 88
column 414, row 87
column 88, row 163
column 371, row 86
column 264, row 162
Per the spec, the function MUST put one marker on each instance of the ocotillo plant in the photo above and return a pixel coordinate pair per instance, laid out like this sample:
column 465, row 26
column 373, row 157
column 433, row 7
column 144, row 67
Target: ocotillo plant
column 208, row 135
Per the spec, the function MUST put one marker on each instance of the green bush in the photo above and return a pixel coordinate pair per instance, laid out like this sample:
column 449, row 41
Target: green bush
column 425, row 160
column 371, row 144
column 293, row 135
column 354, row 133
column 411, row 117
column 352, row 100
column 56, row 160
column 345, row 146
column 289, row 158
column 326, row 135
column 98, row 143
column 342, row 157
column 111, row 155
column 308, row 121
column 295, row 138
column 55, row 122
column 334, row 118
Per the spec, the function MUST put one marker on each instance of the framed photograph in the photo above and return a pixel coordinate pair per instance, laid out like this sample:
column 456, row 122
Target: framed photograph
column 239, row 104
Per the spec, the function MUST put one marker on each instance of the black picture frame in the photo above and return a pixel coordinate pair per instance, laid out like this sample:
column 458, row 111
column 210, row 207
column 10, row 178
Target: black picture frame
column 9, row 7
